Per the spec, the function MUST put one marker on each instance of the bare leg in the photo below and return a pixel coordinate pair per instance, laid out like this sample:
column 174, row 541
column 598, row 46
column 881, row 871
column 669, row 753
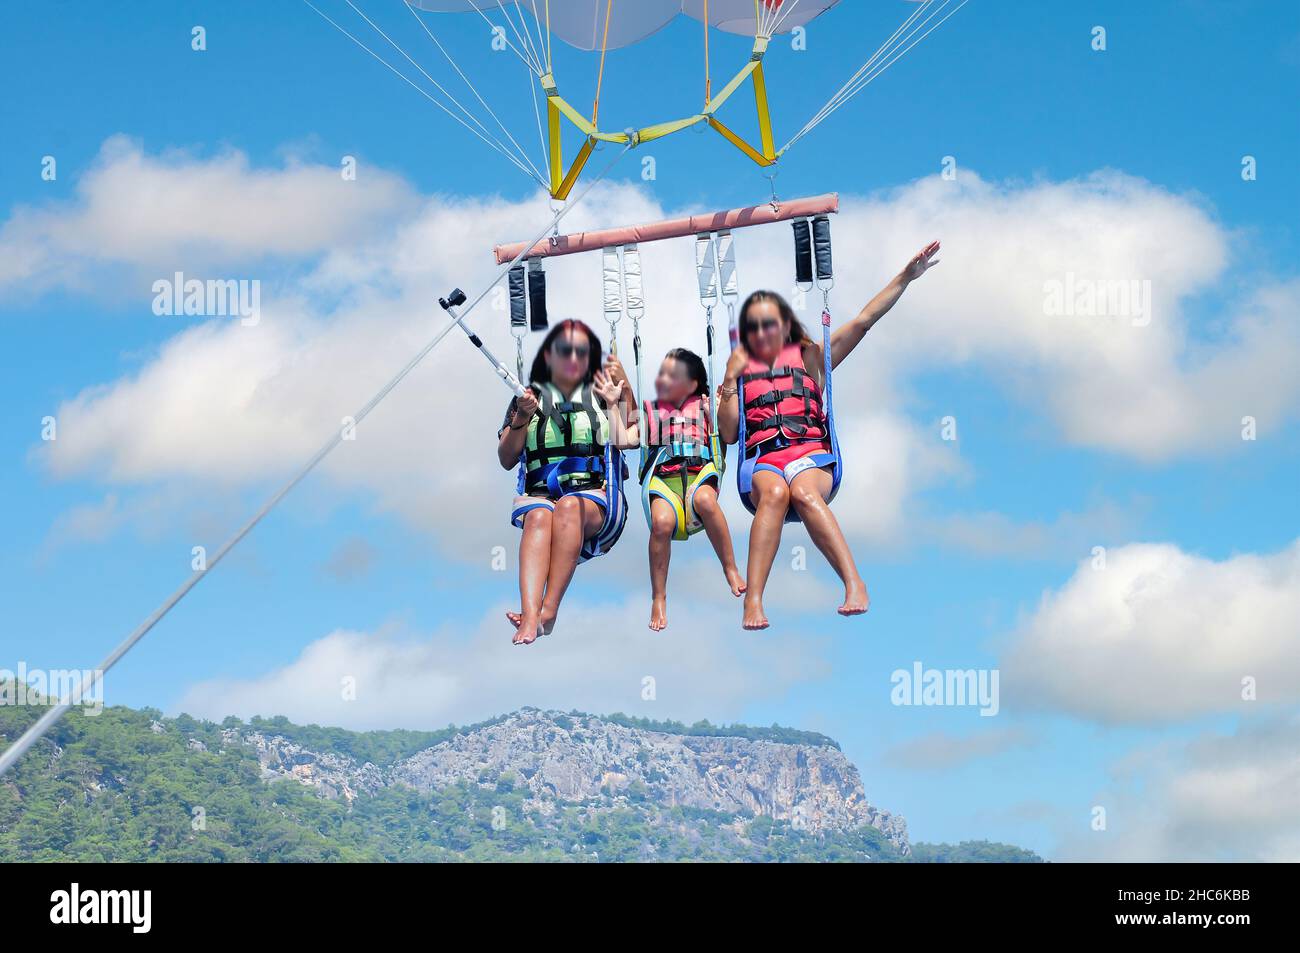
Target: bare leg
column 771, row 499
column 715, row 525
column 534, row 564
column 808, row 495
column 576, row 519
column 663, row 523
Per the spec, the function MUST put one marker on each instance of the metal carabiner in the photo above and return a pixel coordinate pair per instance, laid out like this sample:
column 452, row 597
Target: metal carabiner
column 771, row 178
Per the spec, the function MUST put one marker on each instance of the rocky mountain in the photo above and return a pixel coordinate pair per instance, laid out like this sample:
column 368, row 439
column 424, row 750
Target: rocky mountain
column 132, row 785
column 585, row 759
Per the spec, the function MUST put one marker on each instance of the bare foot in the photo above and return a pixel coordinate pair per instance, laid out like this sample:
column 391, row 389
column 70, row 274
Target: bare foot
column 527, row 630
column 514, row 618
column 855, row 599
column 755, row 617
column 546, row 619
column 735, row 580
column 659, row 614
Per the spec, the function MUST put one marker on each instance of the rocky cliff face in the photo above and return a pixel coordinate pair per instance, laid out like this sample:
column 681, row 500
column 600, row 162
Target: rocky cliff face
column 582, row 758
column 579, row 758
column 332, row 775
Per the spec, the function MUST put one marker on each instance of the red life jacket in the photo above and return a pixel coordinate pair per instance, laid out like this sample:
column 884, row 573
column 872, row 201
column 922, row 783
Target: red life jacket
column 782, row 401
column 684, row 430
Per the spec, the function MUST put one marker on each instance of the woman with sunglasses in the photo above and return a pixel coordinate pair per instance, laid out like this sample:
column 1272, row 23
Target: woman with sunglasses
column 557, row 433
column 785, row 422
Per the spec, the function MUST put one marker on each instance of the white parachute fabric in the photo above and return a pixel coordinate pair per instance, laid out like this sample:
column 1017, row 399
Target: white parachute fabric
column 581, row 23
column 737, row 16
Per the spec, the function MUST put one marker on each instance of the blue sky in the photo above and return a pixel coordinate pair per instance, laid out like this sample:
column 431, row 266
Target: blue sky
column 1124, row 163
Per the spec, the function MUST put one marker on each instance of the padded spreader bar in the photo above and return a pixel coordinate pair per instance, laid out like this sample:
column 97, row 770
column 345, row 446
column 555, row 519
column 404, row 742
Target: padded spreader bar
column 763, row 214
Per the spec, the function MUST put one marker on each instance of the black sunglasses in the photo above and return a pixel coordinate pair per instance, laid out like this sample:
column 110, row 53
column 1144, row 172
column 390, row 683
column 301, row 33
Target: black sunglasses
column 768, row 324
column 566, row 350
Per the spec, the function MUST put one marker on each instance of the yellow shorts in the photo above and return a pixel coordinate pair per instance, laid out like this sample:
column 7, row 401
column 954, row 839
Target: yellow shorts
column 678, row 491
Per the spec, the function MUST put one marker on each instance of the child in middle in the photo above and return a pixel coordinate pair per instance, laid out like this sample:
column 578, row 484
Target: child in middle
column 680, row 477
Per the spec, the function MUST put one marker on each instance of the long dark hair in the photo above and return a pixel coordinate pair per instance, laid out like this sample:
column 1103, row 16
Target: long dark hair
column 797, row 333
column 694, row 369
column 541, row 374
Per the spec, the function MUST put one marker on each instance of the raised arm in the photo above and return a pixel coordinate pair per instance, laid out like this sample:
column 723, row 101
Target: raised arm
column 619, row 403
column 847, row 336
column 728, row 402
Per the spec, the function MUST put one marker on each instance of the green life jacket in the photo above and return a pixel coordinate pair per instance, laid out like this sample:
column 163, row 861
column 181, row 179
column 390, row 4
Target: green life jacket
column 563, row 428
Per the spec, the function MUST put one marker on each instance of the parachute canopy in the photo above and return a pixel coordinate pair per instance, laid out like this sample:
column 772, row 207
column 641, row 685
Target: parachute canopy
column 582, row 23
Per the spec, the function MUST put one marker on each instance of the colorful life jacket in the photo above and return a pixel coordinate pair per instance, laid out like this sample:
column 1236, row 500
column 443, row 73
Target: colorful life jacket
column 684, row 429
column 566, row 441
column 783, row 404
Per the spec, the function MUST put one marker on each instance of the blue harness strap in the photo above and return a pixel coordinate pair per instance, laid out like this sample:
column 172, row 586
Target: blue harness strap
column 615, row 507
column 749, row 461
column 615, row 472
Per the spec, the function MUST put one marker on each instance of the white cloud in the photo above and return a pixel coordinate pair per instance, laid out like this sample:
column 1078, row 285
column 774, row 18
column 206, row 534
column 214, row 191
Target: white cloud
column 992, row 534
column 1217, row 798
column 351, row 560
column 179, row 211
column 88, row 522
column 596, row 660
column 1148, row 392
column 941, row 751
column 1160, row 635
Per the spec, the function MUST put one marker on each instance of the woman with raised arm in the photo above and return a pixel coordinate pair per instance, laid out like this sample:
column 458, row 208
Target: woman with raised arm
column 558, row 434
column 787, row 430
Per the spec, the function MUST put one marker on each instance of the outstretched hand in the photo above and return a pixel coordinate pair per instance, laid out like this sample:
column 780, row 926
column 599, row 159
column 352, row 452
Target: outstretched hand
column 607, row 388
column 921, row 262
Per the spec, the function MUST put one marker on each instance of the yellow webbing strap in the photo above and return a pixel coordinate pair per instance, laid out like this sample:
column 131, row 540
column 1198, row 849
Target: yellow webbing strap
column 557, row 148
column 650, row 133
column 557, row 106
column 575, row 170
column 739, row 143
column 764, row 114
column 732, row 86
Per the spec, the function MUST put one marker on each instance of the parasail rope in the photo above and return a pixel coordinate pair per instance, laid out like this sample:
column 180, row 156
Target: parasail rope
column 528, row 36
column 534, row 49
column 533, row 67
column 537, row 24
column 875, row 57
column 47, row 721
column 782, row 14
column 866, row 67
column 600, row 76
column 896, row 54
column 472, row 89
column 708, row 80
column 425, row 93
column 521, row 37
column 881, row 60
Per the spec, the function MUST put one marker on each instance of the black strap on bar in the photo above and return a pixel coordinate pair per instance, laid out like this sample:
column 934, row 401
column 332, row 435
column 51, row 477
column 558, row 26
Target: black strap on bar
column 803, row 263
column 537, row 295
column 518, row 298
column 822, row 246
